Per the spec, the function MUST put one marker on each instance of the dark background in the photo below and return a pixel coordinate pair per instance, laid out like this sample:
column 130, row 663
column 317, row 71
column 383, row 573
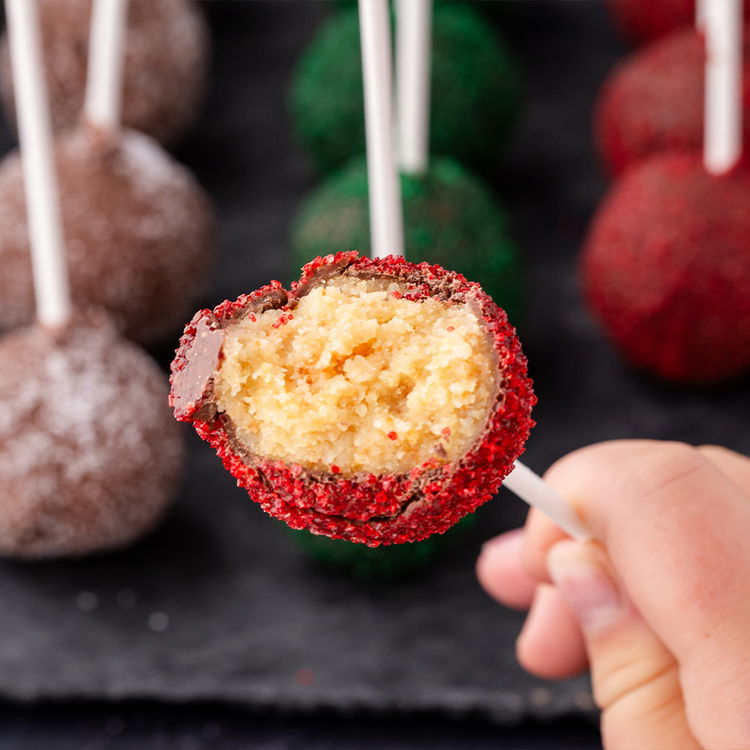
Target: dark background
column 261, row 648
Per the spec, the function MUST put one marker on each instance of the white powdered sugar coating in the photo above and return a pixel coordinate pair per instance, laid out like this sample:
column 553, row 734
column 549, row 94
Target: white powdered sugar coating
column 165, row 67
column 138, row 232
column 90, row 455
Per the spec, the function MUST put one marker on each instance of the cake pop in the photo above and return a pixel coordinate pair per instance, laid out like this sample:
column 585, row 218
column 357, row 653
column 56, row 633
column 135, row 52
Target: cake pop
column 89, row 455
column 378, row 401
column 166, row 64
column 474, row 82
column 138, row 230
column 449, row 218
column 653, row 101
column 647, row 20
column 666, row 269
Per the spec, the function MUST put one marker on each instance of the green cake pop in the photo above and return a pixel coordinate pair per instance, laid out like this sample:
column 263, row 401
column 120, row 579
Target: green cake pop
column 450, row 218
column 475, row 90
column 380, row 563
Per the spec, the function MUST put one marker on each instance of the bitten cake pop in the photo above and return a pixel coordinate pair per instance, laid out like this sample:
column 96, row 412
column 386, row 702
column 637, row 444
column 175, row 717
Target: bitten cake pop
column 378, row 401
column 666, row 269
column 89, row 455
column 653, row 101
column 474, row 80
column 165, row 65
column 450, row 218
column 647, row 20
column 139, row 232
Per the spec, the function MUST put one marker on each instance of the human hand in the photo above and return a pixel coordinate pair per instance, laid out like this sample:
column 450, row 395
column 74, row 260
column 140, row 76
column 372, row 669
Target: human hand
column 659, row 608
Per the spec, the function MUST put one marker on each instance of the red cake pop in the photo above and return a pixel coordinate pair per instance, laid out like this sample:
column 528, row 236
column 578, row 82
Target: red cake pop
column 165, row 66
column 653, row 101
column 377, row 401
column 666, row 269
column 138, row 229
column 647, row 20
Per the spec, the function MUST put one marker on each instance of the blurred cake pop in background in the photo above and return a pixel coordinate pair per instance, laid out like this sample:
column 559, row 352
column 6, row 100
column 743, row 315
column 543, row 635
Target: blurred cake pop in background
column 165, row 65
column 450, row 218
column 90, row 457
column 666, row 269
column 475, row 90
column 653, row 100
column 138, row 229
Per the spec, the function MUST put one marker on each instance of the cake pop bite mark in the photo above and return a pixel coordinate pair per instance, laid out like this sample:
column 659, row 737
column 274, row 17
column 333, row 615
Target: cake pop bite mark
column 166, row 61
column 284, row 406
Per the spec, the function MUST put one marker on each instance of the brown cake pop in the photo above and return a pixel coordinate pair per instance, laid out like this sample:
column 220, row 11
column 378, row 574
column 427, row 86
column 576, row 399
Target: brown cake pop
column 137, row 226
column 165, row 73
column 90, row 456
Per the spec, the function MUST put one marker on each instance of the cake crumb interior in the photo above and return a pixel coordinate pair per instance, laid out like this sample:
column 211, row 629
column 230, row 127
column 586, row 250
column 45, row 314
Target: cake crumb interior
column 358, row 379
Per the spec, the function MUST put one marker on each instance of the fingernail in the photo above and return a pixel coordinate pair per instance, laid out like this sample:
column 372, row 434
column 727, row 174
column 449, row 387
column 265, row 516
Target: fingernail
column 587, row 586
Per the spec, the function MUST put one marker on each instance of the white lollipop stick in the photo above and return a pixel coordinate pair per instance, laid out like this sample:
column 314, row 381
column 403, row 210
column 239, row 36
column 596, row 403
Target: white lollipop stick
column 104, row 76
column 537, row 493
column 386, row 221
column 413, row 63
column 722, row 22
column 700, row 14
column 49, row 268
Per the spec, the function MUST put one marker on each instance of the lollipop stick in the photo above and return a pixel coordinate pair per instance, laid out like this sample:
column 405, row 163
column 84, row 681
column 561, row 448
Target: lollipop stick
column 104, row 75
column 386, row 222
column 722, row 21
column 537, row 493
column 50, row 275
column 413, row 60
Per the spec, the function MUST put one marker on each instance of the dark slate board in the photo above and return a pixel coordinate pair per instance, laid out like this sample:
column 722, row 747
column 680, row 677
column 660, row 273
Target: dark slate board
column 220, row 604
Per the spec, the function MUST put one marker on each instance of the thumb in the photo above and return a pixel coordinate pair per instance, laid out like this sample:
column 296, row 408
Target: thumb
column 635, row 678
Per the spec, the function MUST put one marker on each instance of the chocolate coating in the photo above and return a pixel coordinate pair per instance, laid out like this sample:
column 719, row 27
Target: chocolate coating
column 138, row 232
column 367, row 508
column 165, row 70
column 90, row 457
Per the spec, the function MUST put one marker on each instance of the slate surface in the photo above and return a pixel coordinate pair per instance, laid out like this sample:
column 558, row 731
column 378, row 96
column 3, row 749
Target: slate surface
column 220, row 604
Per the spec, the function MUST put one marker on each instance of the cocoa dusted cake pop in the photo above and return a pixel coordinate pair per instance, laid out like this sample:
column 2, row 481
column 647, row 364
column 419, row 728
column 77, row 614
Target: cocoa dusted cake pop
column 653, row 100
column 90, row 457
column 666, row 269
column 475, row 90
column 138, row 230
column 450, row 218
column 378, row 401
column 165, row 66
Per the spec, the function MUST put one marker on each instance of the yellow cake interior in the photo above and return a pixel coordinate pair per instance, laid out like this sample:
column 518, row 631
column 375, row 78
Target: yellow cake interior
column 358, row 379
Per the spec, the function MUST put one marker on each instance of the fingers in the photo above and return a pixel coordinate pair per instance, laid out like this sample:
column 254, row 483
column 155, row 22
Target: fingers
column 501, row 572
column 540, row 535
column 676, row 527
column 634, row 676
column 551, row 645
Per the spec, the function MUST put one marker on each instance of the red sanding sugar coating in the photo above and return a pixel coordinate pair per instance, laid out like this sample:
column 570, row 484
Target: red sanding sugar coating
column 666, row 269
column 647, row 20
column 653, row 101
column 366, row 508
